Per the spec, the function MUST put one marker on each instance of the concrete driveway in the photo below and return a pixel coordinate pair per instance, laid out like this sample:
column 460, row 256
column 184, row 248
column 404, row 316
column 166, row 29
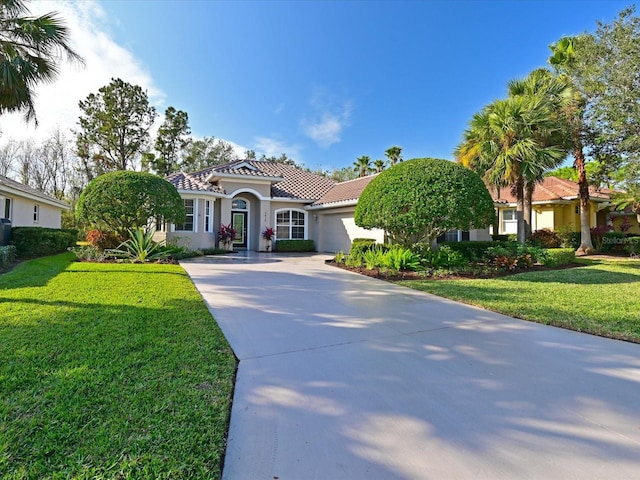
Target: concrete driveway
column 347, row 377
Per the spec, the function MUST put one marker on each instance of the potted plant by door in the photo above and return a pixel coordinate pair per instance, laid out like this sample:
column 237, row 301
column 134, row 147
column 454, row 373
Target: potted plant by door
column 225, row 236
column 268, row 235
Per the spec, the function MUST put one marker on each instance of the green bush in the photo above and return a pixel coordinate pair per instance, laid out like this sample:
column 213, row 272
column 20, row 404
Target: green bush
column 394, row 258
column 363, row 240
column 8, row 255
column 500, row 238
column 213, row 251
column 39, row 242
column 89, row 253
column 612, row 242
column 556, row 257
column 474, row 251
column 359, row 249
column 632, row 246
column 568, row 237
column 514, row 256
column 295, row 246
column 545, row 238
column 445, row 258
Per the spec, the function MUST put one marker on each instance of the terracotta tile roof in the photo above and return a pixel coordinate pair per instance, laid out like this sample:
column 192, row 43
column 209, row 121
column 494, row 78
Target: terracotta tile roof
column 9, row 183
column 295, row 183
column 345, row 191
column 192, row 181
column 550, row 189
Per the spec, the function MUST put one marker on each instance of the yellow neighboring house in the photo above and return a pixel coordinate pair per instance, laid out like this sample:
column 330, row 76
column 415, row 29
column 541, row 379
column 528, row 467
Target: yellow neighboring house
column 556, row 206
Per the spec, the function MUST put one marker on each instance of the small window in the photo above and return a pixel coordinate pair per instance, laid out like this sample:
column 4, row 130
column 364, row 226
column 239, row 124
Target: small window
column 208, row 216
column 36, row 213
column 7, row 208
column 509, row 221
column 239, row 204
column 290, row 225
column 187, row 226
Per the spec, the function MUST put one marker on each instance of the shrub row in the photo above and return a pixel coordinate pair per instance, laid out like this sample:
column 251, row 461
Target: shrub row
column 8, row 254
column 39, row 241
column 295, row 246
column 557, row 257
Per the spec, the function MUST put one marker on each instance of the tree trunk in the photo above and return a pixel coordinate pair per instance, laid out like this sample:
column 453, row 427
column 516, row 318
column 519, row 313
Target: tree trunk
column 527, row 208
column 519, row 187
column 586, row 247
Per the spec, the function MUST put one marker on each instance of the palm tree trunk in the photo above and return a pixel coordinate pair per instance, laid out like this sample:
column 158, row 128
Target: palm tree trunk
column 527, row 208
column 519, row 187
column 586, row 247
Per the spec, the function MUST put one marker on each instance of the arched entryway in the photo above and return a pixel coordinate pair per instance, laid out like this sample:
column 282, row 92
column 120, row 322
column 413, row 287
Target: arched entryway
column 240, row 209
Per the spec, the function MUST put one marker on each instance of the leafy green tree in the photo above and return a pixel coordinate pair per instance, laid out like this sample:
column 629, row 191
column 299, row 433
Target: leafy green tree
column 394, row 154
column 172, row 139
column 125, row 200
column 206, row 152
column 31, row 49
column 343, row 174
column 114, row 128
column 362, row 166
column 420, row 199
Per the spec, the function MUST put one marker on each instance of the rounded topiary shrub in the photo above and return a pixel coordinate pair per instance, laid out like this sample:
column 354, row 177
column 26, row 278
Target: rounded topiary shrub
column 420, row 199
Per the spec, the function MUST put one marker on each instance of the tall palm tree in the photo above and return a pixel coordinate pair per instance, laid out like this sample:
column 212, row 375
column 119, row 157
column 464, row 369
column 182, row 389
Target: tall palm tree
column 30, row 50
column 394, row 154
column 504, row 144
column 379, row 165
column 557, row 93
column 362, row 166
column 562, row 57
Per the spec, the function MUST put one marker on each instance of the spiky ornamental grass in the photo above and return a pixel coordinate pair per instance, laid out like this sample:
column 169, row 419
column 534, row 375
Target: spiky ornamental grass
column 110, row 371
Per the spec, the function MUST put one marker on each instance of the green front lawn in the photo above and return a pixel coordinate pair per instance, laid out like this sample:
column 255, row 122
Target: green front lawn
column 602, row 298
column 110, row 371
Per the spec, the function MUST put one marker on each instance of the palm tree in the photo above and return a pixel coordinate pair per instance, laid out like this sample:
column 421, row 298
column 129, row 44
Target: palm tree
column 394, row 154
column 507, row 143
column 379, row 165
column 30, row 49
column 362, row 166
column 557, row 93
column 563, row 54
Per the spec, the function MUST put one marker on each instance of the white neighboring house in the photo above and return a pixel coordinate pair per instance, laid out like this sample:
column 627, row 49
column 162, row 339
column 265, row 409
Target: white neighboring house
column 27, row 207
column 253, row 195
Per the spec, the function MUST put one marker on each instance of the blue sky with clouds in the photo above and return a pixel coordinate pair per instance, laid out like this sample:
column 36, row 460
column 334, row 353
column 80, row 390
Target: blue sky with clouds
column 323, row 81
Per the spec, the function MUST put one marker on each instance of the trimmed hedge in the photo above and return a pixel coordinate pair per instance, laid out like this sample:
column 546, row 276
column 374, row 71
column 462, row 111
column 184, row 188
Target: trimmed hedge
column 556, row 257
column 295, row 246
column 39, row 242
column 8, row 254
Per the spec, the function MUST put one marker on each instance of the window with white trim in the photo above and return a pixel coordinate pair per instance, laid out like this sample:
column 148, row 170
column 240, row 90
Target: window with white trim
column 208, row 216
column 189, row 223
column 290, row 224
column 36, row 213
column 7, row 208
column 509, row 221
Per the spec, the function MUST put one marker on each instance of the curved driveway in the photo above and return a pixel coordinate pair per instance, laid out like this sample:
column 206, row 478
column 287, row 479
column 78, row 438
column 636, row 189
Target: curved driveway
column 347, row 377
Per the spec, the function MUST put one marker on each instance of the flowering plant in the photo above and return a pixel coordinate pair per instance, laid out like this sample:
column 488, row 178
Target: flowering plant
column 227, row 233
column 268, row 233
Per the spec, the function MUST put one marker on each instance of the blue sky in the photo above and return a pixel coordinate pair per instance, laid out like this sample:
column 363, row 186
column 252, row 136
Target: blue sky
column 325, row 81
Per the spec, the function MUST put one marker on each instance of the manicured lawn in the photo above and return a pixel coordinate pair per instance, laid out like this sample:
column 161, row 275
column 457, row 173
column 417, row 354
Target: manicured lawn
column 602, row 298
column 110, row 371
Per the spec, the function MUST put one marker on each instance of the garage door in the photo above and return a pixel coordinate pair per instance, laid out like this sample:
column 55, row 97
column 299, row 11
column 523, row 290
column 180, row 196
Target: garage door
column 339, row 229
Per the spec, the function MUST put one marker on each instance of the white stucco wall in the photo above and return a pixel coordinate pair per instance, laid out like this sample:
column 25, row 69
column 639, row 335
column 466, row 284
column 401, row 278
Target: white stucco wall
column 22, row 212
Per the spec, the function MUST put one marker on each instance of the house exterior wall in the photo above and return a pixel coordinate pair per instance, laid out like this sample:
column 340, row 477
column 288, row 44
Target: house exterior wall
column 632, row 219
column 22, row 212
column 198, row 238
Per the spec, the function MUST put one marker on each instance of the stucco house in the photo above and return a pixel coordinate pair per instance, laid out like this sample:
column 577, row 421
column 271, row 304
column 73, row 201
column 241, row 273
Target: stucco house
column 253, row 195
column 556, row 205
column 27, row 207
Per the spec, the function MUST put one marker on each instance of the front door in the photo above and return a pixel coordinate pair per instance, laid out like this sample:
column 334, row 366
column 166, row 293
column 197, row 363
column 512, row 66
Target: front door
column 239, row 221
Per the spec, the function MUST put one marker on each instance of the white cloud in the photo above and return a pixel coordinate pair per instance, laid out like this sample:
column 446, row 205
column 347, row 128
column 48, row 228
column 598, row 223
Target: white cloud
column 273, row 147
column 57, row 103
column 329, row 118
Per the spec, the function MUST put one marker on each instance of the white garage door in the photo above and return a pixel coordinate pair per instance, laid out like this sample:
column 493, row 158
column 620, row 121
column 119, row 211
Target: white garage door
column 339, row 230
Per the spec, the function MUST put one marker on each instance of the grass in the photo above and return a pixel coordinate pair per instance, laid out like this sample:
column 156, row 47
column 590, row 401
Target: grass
column 601, row 297
column 110, row 371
